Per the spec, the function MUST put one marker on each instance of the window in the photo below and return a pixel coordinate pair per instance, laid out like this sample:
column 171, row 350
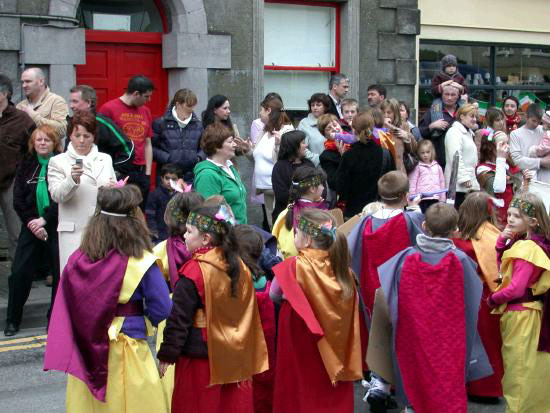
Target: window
column 492, row 71
column 120, row 15
column 300, row 49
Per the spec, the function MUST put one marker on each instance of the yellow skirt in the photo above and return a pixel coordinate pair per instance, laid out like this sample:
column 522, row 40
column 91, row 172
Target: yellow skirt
column 167, row 380
column 526, row 381
column 133, row 383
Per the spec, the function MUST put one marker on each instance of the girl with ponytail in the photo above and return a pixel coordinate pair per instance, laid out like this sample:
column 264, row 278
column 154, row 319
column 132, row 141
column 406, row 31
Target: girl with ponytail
column 214, row 334
column 305, row 191
column 318, row 320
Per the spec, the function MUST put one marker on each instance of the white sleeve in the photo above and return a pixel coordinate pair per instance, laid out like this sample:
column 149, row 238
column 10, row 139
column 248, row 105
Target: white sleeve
column 499, row 183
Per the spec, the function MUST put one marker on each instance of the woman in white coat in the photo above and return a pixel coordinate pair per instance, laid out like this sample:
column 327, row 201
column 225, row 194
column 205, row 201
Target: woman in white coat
column 73, row 180
column 460, row 137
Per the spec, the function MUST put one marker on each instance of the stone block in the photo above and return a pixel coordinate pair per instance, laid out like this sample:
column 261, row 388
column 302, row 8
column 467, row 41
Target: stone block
column 391, row 4
column 51, row 45
column 9, row 61
column 65, row 8
column 34, row 6
column 385, row 20
column 408, row 21
column 411, row 4
column 395, row 46
column 385, row 71
column 405, row 71
column 196, row 50
column 61, row 79
column 9, row 34
column 8, row 6
column 400, row 92
column 192, row 78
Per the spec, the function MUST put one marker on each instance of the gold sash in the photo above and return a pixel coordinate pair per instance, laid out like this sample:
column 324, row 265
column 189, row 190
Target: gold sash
column 484, row 244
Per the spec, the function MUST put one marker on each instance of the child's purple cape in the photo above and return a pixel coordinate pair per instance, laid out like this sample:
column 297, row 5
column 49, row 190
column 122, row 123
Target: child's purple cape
column 177, row 256
column 85, row 305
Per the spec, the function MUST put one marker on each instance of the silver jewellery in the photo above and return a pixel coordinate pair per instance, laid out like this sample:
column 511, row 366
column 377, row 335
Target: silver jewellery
column 113, row 214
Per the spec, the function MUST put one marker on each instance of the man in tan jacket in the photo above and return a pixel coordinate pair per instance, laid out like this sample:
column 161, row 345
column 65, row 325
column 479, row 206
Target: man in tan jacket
column 43, row 106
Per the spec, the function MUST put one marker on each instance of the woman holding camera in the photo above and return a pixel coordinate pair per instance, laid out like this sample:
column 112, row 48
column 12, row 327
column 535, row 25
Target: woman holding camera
column 73, row 180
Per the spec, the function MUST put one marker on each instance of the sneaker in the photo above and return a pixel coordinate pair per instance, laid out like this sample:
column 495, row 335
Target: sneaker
column 11, row 330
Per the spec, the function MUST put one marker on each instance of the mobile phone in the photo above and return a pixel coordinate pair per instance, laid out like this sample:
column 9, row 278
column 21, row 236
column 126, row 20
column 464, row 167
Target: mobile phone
column 79, row 162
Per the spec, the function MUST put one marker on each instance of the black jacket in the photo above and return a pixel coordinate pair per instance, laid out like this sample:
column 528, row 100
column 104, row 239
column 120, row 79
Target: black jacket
column 330, row 161
column 332, row 107
column 358, row 173
column 24, row 193
column 437, row 138
column 172, row 144
column 154, row 213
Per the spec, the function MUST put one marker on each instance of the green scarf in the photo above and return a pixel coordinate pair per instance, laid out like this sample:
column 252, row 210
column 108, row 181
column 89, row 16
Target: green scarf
column 42, row 198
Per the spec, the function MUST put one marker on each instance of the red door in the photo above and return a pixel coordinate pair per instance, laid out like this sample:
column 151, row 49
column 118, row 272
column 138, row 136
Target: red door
column 112, row 58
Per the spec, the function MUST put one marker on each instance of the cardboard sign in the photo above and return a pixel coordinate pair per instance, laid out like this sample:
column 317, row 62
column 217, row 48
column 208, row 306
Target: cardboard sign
column 348, row 226
column 379, row 351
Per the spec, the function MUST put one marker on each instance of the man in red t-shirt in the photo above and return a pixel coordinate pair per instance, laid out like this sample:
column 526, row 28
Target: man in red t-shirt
column 134, row 118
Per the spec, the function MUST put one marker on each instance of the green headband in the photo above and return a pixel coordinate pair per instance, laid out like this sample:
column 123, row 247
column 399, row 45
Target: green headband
column 524, row 206
column 311, row 181
column 317, row 230
column 204, row 223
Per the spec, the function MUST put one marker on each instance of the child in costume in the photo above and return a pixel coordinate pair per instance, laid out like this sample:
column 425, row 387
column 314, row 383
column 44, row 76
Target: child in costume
column 375, row 239
column 306, row 192
column 318, row 346
column 214, row 333
column 99, row 327
column 433, row 294
column 427, row 178
column 524, row 302
column 252, row 247
column 478, row 235
column 171, row 255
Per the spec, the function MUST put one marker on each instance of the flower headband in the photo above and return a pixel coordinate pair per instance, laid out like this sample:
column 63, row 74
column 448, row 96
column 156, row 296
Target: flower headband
column 308, row 182
column 488, row 133
column 524, row 206
column 317, row 230
column 207, row 224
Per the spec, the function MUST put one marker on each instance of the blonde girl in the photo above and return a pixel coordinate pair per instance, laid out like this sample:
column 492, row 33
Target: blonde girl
column 522, row 299
column 427, row 178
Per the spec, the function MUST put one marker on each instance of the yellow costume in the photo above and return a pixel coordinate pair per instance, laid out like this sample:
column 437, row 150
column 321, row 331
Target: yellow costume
column 526, row 370
column 285, row 237
column 133, row 384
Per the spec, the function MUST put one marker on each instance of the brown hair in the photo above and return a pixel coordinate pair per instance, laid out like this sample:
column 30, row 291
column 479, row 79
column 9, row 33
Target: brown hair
column 213, row 137
column 465, row 110
column 321, row 98
column 349, row 102
column 50, row 133
column 476, row 209
column 87, row 94
column 177, row 211
column 128, row 235
column 425, row 143
column 543, row 221
column 337, row 250
column 393, row 105
column 227, row 241
column 378, row 117
column 441, row 220
column 251, row 246
column 324, row 120
column 493, row 114
column 363, row 125
column 392, row 186
column 296, row 191
column 277, row 116
column 184, row 97
column 86, row 120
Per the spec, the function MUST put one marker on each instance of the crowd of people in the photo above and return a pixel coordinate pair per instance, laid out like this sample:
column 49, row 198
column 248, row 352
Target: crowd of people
column 279, row 318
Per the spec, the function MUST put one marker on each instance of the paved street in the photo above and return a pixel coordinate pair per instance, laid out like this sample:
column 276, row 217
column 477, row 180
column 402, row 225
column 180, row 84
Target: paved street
column 25, row 388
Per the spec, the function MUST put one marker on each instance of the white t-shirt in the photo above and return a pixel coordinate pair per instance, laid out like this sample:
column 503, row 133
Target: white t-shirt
column 263, row 159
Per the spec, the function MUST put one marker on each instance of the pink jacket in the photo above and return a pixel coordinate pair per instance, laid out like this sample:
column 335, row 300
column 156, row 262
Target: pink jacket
column 427, row 178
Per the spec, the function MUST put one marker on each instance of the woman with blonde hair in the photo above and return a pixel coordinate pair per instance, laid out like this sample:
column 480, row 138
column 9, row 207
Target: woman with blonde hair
column 396, row 136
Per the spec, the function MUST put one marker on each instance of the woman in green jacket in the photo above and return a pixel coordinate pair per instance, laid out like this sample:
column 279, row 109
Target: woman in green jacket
column 217, row 175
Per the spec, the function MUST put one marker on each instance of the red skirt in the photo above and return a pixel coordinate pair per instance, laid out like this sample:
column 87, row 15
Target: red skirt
column 301, row 380
column 488, row 326
column 192, row 393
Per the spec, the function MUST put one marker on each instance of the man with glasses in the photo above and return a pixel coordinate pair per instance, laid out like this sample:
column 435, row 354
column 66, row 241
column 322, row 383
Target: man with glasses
column 134, row 118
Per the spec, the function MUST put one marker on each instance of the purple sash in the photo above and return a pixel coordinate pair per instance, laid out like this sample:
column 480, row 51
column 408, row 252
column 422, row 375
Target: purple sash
column 177, row 256
column 85, row 305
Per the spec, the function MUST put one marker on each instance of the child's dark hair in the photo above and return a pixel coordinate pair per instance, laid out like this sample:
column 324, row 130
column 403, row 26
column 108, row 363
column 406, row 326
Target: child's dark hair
column 441, row 220
column 290, row 143
column 227, row 241
column 493, row 114
column 392, row 186
column 336, row 246
column 476, row 209
column 177, row 211
column 170, row 168
column 251, row 246
column 128, row 234
column 297, row 191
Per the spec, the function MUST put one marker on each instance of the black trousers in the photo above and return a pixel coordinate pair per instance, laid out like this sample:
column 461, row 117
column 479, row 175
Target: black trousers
column 28, row 259
column 142, row 181
column 459, row 199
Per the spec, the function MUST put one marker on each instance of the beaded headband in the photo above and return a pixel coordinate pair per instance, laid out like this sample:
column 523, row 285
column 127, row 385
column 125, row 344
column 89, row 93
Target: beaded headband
column 308, row 182
column 524, row 206
column 317, row 230
column 207, row 224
